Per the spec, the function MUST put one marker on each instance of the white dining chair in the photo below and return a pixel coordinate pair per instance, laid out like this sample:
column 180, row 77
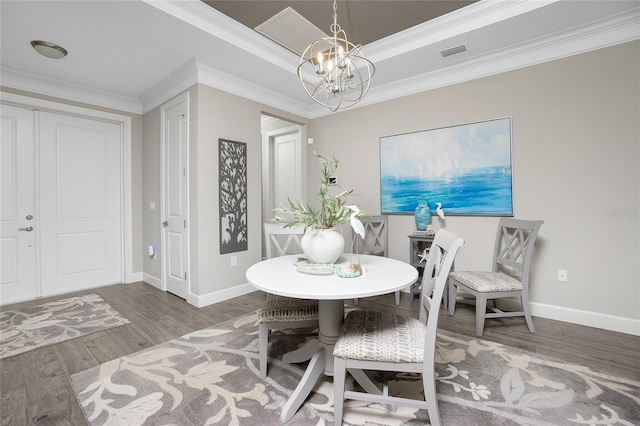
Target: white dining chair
column 280, row 312
column 384, row 341
column 508, row 278
column 375, row 241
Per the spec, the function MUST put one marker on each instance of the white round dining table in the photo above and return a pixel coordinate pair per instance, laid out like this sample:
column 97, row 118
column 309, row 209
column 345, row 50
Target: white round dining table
column 281, row 276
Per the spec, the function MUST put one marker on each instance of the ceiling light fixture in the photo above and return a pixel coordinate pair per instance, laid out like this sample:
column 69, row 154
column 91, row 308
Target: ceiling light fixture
column 333, row 71
column 50, row 50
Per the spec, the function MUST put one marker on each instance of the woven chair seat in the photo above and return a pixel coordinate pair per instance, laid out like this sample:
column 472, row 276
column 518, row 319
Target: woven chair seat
column 377, row 341
column 284, row 309
column 380, row 336
column 487, row 282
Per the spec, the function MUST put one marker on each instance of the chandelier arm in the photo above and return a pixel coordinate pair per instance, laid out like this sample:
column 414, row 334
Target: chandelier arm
column 342, row 75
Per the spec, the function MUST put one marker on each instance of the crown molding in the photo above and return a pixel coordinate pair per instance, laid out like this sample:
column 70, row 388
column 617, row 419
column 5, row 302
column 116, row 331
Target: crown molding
column 477, row 15
column 605, row 33
column 608, row 32
column 211, row 77
column 206, row 18
column 175, row 83
column 37, row 83
column 195, row 71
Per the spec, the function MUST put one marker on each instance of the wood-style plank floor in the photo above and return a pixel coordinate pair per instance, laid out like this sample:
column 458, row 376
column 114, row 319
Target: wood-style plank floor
column 35, row 386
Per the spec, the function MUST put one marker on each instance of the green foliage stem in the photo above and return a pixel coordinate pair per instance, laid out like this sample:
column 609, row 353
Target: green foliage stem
column 332, row 212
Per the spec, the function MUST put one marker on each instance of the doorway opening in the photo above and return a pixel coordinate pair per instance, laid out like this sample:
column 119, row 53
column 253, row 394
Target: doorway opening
column 283, row 162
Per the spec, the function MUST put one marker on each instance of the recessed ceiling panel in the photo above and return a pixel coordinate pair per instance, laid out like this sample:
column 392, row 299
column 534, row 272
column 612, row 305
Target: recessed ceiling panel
column 291, row 30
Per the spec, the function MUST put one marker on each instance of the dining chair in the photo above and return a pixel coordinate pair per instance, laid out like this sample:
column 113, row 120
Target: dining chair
column 509, row 277
column 382, row 341
column 281, row 312
column 374, row 241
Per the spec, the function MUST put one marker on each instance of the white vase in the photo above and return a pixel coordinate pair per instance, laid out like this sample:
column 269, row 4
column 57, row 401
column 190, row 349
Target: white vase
column 322, row 245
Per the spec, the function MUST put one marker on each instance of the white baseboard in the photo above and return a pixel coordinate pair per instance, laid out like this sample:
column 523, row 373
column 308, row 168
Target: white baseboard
column 558, row 313
column 221, row 295
column 206, row 299
column 136, row 277
column 591, row 319
column 577, row 316
column 154, row 281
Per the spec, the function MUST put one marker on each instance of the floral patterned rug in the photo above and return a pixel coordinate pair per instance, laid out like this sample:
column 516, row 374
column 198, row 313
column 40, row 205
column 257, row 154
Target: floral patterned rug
column 211, row 377
column 53, row 322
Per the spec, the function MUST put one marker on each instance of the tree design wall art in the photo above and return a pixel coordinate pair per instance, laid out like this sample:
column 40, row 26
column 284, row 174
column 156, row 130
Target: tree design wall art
column 233, row 196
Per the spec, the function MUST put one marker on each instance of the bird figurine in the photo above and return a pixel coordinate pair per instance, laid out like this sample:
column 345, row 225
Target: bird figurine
column 439, row 211
column 357, row 226
column 358, row 229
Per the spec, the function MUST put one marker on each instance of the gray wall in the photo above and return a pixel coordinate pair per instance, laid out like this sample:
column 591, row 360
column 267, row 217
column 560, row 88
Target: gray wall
column 151, row 184
column 575, row 160
column 223, row 115
column 214, row 114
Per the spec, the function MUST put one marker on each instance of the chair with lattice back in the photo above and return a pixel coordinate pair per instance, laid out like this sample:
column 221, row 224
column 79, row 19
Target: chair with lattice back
column 384, row 341
column 374, row 241
column 280, row 312
column 509, row 277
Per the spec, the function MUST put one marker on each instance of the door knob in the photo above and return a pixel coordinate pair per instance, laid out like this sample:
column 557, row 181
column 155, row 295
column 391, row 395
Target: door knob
column 165, row 223
column 28, row 229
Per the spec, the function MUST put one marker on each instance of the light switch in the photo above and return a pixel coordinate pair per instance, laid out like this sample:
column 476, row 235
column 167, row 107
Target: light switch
column 152, row 205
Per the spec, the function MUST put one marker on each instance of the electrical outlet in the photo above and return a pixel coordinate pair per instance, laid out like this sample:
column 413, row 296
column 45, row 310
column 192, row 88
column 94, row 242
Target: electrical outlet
column 562, row 275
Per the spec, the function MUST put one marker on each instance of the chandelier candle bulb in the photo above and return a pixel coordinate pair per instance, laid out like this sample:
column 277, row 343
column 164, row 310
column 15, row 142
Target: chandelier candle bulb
column 345, row 78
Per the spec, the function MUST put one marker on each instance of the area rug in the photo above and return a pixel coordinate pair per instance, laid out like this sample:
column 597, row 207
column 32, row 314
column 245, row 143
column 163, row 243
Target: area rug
column 54, row 322
column 211, row 377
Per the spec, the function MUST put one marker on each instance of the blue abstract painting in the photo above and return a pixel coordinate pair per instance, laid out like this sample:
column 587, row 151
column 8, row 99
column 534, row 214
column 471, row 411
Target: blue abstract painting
column 467, row 168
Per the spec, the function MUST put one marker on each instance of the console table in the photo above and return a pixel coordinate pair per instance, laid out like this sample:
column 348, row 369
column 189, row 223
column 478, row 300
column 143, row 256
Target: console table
column 417, row 244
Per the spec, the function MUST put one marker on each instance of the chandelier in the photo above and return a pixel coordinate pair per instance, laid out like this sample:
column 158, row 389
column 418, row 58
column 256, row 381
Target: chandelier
column 333, row 71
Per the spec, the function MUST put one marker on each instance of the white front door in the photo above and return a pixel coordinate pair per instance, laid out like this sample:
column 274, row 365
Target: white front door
column 18, row 280
column 61, row 209
column 80, row 203
column 175, row 235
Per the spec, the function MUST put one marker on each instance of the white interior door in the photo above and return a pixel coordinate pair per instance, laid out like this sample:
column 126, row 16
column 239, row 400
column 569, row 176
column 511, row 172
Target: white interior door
column 80, row 203
column 18, row 279
column 175, row 235
column 282, row 163
column 286, row 168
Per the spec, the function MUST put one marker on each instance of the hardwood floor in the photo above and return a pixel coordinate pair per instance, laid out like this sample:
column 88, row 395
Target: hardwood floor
column 35, row 386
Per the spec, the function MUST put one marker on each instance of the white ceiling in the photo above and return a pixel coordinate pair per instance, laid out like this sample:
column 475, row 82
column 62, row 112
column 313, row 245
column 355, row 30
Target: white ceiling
column 133, row 55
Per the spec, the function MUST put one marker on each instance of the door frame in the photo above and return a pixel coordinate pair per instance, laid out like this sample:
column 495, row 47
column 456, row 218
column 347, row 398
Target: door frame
column 268, row 138
column 183, row 97
column 26, row 284
column 126, row 215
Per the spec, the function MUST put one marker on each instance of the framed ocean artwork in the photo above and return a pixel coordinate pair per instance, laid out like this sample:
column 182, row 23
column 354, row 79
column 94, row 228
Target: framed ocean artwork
column 467, row 168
